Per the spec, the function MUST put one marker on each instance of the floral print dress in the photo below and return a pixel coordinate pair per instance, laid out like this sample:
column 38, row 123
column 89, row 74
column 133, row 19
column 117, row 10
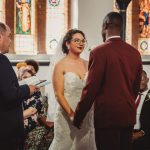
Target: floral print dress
column 40, row 137
column 34, row 101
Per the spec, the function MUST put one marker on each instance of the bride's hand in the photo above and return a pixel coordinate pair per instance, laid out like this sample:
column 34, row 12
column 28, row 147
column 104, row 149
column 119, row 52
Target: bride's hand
column 71, row 116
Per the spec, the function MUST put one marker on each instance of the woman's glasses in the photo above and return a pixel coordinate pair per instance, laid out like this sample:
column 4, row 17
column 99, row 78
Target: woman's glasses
column 78, row 41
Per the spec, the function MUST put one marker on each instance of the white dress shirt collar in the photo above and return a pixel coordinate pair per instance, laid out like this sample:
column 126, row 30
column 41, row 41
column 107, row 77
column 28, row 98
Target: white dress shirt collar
column 139, row 108
column 111, row 37
column 145, row 92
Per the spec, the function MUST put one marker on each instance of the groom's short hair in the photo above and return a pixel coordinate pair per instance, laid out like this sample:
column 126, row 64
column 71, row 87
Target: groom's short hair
column 113, row 20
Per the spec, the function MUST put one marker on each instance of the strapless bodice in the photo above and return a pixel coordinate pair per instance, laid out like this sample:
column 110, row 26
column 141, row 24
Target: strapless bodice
column 73, row 86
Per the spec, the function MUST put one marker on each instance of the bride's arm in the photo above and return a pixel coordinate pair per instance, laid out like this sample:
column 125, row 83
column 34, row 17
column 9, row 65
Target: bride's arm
column 58, row 82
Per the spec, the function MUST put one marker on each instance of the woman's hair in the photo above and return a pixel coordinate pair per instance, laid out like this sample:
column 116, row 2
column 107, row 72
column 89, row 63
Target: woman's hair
column 68, row 38
column 33, row 63
column 22, row 70
column 21, row 64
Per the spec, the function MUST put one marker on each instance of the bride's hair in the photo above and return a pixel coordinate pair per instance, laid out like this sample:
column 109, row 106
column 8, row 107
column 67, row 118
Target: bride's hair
column 68, row 38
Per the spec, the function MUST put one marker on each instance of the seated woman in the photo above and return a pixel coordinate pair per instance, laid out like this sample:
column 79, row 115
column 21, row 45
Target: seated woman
column 34, row 65
column 31, row 106
column 37, row 131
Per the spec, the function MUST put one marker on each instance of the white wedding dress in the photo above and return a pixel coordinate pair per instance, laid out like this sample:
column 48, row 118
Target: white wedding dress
column 66, row 136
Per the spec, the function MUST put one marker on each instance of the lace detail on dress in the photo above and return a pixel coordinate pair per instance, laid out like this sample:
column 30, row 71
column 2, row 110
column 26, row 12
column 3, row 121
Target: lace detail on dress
column 66, row 136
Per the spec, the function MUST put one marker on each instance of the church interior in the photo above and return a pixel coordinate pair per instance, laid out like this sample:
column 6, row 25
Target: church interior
column 37, row 28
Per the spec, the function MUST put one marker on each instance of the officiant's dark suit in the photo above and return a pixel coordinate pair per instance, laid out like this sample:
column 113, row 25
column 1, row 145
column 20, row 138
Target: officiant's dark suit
column 143, row 143
column 112, row 85
column 11, row 97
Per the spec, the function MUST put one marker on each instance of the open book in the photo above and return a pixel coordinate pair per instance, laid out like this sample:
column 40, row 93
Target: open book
column 34, row 80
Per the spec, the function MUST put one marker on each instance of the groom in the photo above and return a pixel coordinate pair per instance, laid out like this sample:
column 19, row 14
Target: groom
column 112, row 85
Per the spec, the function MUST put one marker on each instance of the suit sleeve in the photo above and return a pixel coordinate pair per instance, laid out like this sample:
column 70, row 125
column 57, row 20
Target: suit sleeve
column 92, row 88
column 10, row 91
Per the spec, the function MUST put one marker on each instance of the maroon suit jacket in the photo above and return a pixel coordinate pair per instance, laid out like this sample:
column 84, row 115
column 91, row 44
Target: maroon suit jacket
column 113, row 83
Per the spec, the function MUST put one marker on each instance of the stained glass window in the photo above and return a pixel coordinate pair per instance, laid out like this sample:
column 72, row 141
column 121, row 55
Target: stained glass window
column 24, row 31
column 144, row 27
column 56, row 23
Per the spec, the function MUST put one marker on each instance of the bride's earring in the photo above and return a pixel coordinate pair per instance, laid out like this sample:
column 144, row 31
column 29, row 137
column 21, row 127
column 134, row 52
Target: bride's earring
column 68, row 47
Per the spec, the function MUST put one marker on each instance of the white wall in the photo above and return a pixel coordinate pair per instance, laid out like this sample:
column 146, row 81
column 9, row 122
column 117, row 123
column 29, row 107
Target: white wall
column 90, row 17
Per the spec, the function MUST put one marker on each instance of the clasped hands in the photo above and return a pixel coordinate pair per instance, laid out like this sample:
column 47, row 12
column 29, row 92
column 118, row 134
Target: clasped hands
column 71, row 117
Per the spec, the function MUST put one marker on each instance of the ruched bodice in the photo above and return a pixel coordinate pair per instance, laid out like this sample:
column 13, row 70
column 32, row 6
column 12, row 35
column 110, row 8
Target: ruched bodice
column 66, row 136
column 73, row 86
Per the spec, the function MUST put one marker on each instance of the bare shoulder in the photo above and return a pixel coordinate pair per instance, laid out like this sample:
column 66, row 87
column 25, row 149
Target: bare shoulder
column 60, row 65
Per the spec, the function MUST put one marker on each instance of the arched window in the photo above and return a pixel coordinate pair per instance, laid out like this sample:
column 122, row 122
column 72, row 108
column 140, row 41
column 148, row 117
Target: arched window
column 24, row 27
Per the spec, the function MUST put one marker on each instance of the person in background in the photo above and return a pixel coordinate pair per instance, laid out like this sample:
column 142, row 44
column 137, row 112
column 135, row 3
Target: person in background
column 112, row 84
column 141, row 132
column 23, row 67
column 31, row 106
column 11, row 98
column 33, row 64
column 34, row 113
column 35, row 68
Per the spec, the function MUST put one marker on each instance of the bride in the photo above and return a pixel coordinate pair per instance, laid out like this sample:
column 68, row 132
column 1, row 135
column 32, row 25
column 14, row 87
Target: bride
column 69, row 77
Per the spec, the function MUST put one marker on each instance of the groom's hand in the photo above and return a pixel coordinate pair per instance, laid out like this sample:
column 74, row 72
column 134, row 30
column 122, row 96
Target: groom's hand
column 71, row 116
column 78, row 125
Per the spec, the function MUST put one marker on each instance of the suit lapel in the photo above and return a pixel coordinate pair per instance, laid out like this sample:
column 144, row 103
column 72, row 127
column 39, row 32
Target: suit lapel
column 147, row 97
column 146, row 100
column 144, row 116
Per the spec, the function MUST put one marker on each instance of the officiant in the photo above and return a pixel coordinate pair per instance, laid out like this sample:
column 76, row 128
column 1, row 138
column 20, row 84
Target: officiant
column 11, row 97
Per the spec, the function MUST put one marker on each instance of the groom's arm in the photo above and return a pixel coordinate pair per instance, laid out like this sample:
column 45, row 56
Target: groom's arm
column 92, row 88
